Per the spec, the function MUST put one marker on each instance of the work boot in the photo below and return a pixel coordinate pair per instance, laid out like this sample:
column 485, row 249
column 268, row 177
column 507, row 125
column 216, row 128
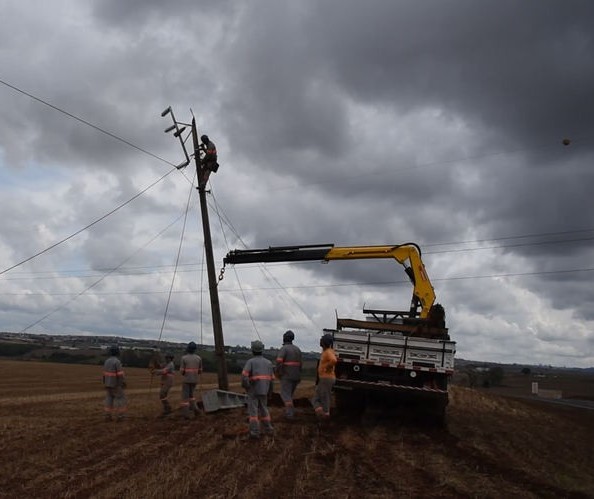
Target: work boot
column 107, row 417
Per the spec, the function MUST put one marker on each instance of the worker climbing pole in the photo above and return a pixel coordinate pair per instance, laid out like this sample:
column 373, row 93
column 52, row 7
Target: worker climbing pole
column 204, row 166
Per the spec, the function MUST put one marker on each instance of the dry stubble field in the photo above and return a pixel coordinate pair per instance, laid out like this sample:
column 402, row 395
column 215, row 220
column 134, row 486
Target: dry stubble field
column 54, row 443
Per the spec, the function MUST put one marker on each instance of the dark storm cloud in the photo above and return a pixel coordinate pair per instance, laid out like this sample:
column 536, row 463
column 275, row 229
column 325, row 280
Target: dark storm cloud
column 526, row 69
column 526, row 72
column 134, row 13
column 519, row 76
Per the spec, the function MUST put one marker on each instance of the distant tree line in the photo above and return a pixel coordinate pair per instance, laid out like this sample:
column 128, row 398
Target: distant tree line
column 486, row 379
column 15, row 349
column 131, row 357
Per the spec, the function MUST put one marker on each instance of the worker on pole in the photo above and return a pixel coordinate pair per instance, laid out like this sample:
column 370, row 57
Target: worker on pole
column 209, row 159
column 114, row 381
column 288, row 370
column 190, row 368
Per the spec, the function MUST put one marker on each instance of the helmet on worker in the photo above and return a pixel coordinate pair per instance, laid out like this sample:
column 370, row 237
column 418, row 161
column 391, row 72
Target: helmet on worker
column 114, row 350
column 288, row 337
column 191, row 348
column 257, row 347
column 204, row 139
column 327, row 341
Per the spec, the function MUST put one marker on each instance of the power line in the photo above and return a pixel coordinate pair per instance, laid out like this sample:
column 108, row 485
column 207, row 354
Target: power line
column 503, row 238
column 442, row 279
column 133, row 273
column 85, row 122
column 539, row 243
column 97, row 281
column 181, row 240
column 87, row 226
column 247, row 307
column 321, row 286
column 116, row 137
column 265, row 271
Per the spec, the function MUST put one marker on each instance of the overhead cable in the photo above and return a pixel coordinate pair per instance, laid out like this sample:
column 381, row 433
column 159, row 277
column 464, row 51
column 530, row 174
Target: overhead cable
column 87, row 226
column 98, row 280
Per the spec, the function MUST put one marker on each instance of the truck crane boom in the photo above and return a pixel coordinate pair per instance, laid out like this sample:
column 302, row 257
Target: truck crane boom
column 407, row 254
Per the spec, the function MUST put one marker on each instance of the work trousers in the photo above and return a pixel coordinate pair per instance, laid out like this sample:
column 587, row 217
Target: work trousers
column 323, row 396
column 188, row 402
column 287, row 389
column 257, row 406
column 115, row 402
column 163, row 397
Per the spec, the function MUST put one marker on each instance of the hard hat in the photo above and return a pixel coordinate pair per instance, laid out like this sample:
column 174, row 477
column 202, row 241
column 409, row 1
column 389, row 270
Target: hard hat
column 326, row 341
column 114, row 350
column 288, row 336
column 257, row 346
column 191, row 348
column 204, row 138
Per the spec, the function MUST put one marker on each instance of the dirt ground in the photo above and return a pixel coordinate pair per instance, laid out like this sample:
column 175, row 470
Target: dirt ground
column 54, row 443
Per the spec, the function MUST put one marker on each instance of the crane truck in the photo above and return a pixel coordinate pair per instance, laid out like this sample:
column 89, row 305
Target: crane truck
column 400, row 358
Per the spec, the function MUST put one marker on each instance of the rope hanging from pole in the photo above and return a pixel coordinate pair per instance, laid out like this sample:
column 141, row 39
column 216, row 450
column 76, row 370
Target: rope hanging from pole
column 156, row 355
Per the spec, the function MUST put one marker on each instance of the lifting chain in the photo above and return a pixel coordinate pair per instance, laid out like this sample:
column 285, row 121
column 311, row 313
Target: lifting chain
column 222, row 274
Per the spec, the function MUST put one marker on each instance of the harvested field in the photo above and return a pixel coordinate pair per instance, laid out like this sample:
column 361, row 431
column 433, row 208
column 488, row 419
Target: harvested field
column 54, row 443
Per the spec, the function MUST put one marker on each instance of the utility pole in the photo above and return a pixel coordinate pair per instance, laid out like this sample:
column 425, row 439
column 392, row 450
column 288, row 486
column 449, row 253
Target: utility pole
column 217, row 323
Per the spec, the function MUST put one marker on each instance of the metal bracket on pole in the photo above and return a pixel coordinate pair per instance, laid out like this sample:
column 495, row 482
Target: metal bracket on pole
column 178, row 133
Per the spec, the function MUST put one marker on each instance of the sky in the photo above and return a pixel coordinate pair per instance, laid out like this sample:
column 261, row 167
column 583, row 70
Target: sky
column 439, row 122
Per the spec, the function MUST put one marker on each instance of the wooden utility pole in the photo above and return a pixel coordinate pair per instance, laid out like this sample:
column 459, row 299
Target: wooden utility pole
column 217, row 323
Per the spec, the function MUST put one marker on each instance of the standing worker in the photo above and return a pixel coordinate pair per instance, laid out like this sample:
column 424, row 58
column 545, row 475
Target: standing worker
column 167, row 373
column 114, row 382
column 209, row 160
column 256, row 378
column 190, row 368
column 326, row 378
column 288, row 369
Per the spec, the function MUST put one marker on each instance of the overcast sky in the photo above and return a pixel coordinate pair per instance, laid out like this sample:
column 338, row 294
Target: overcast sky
column 353, row 123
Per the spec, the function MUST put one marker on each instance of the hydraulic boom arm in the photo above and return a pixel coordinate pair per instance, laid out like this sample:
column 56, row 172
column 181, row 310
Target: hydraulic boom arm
column 408, row 255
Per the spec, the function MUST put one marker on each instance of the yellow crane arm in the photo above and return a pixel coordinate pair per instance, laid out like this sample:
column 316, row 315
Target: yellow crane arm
column 408, row 255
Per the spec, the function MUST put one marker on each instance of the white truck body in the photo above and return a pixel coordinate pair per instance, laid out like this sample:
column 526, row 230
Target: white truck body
column 389, row 358
column 395, row 350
